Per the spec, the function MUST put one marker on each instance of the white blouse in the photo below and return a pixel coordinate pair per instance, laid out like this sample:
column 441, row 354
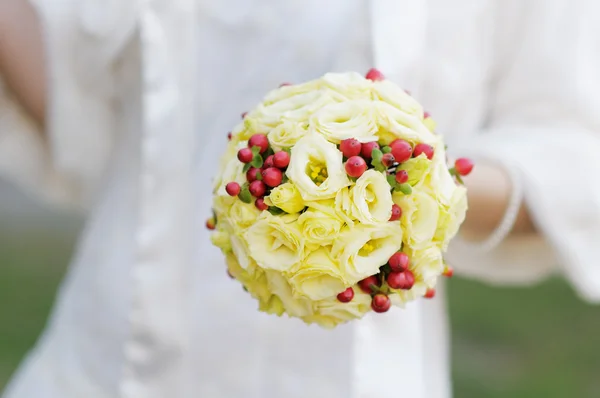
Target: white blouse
column 142, row 97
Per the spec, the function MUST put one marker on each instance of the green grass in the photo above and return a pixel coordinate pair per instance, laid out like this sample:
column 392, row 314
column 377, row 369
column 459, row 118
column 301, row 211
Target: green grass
column 517, row 343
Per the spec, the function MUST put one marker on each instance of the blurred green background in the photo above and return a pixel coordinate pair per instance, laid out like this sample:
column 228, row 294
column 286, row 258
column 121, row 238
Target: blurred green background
column 515, row 342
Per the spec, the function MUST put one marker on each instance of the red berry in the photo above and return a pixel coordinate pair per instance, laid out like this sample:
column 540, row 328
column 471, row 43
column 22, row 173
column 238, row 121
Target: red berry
column 401, row 150
column 381, row 303
column 346, row 296
column 260, row 204
column 210, row 224
column 245, row 155
column 244, row 115
column 268, row 162
column 430, row 293
column 229, row 136
column 448, row 272
column 350, row 147
column 252, row 173
column 401, row 176
column 401, row 280
column 396, row 212
column 365, row 284
column 375, row 75
column 463, row 166
column 233, row 188
column 285, row 84
column 367, row 149
column 388, row 159
column 281, row 159
column 423, row 148
column 272, row 176
column 259, row 140
column 257, row 188
column 355, row 166
column 426, row 115
column 399, row 262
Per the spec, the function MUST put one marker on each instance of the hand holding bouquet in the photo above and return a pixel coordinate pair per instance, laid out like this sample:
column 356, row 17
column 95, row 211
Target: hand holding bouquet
column 334, row 199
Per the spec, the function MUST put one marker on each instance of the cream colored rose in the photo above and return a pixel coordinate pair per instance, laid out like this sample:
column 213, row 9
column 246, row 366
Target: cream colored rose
column 286, row 197
column 419, row 220
column 317, row 276
column 275, row 242
column 349, row 85
column 395, row 123
column 439, row 181
column 296, row 108
column 320, row 228
column 349, row 119
column 330, row 313
column 361, row 250
column 417, row 168
column 451, row 217
column 242, row 215
column 231, row 170
column 221, row 240
column 286, row 134
column 316, row 168
column 280, row 287
column 371, row 198
column 390, row 93
column 427, row 263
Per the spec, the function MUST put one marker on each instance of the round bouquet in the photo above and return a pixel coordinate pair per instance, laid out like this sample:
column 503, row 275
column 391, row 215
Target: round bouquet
column 334, row 199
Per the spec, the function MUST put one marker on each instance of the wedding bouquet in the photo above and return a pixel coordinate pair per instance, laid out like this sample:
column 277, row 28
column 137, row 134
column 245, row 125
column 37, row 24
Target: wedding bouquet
column 334, row 199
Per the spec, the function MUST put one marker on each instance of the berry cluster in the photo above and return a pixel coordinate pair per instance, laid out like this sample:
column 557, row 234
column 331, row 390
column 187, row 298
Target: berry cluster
column 264, row 170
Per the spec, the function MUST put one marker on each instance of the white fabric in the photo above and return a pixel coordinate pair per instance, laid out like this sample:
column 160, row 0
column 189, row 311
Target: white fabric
column 147, row 310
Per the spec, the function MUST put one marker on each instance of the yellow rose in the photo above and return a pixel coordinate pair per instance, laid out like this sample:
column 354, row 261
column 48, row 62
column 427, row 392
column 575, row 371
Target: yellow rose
column 426, row 264
column 221, row 240
column 316, row 168
column 285, row 92
column 371, row 198
column 417, row 168
column 232, row 170
column 317, row 277
column 273, row 306
column 295, row 108
column 319, row 228
column 390, row 93
column 331, row 208
column 242, row 215
column 349, row 85
column 451, row 217
column 286, row 134
column 395, row 123
column 253, row 278
column 280, row 287
column 439, row 182
column 361, row 250
column 275, row 242
column 330, row 312
column 419, row 220
column 342, row 120
column 286, row 197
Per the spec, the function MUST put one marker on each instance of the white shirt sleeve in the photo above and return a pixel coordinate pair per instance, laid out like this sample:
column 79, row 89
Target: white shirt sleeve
column 67, row 163
column 543, row 120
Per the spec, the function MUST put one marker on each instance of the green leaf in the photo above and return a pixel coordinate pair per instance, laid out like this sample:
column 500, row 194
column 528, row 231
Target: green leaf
column 391, row 179
column 386, row 149
column 288, row 150
column 259, row 176
column 459, row 179
column 452, row 171
column 257, row 161
column 255, row 150
column 246, row 167
column 285, row 179
column 245, row 195
column 275, row 210
column 405, row 189
column 376, row 154
column 268, row 152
